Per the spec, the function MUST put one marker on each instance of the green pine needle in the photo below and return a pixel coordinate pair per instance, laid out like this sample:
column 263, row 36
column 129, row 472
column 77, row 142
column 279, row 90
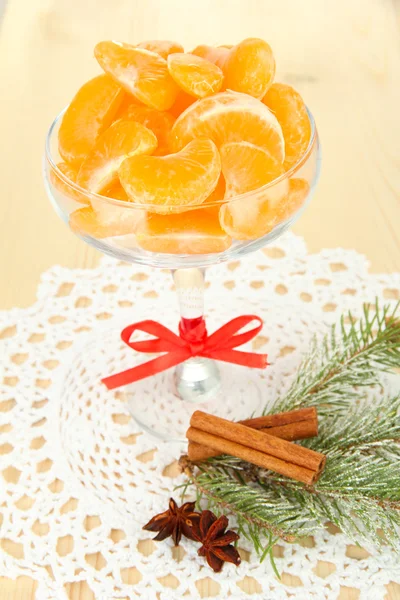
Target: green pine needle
column 349, row 357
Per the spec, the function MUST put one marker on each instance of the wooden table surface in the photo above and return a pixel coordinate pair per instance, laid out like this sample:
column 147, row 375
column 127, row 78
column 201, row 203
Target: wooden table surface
column 343, row 56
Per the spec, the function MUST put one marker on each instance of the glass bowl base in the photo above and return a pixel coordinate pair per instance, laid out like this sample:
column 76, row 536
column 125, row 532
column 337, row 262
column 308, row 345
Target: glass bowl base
column 163, row 404
column 197, row 380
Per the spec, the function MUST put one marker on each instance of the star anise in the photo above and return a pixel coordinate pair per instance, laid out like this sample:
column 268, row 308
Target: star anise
column 216, row 542
column 174, row 522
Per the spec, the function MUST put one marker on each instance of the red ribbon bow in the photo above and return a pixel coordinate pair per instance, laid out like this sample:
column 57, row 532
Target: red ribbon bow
column 195, row 342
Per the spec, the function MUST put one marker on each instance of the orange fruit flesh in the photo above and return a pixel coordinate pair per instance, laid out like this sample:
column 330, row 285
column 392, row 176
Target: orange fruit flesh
column 291, row 112
column 173, row 181
column 121, row 140
column 117, row 135
column 249, row 67
column 216, row 55
column 142, row 73
column 113, row 218
column 254, row 217
column 162, row 47
column 64, row 187
column 91, row 111
column 229, row 117
column 86, row 221
column 159, row 122
column 182, row 102
column 126, row 103
column 297, row 194
column 192, row 232
column 196, row 76
column 116, row 191
column 247, row 167
column 217, row 195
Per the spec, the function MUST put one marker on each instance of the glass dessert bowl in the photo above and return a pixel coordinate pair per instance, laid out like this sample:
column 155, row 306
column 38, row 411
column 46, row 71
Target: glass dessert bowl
column 184, row 239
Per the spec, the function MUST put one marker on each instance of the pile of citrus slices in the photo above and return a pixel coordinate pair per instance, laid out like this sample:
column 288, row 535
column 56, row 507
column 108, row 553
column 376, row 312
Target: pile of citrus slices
column 179, row 136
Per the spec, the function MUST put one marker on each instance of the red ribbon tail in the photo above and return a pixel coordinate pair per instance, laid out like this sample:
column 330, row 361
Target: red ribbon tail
column 151, row 367
column 238, row 357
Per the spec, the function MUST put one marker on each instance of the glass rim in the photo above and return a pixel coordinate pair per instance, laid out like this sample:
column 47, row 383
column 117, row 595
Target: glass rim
column 131, row 205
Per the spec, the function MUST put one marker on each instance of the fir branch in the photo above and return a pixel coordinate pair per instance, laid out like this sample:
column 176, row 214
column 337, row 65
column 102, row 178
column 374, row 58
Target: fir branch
column 347, row 357
column 352, row 496
column 359, row 490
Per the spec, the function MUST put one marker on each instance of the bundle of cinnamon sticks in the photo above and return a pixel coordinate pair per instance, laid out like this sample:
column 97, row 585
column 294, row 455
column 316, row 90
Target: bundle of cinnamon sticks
column 264, row 441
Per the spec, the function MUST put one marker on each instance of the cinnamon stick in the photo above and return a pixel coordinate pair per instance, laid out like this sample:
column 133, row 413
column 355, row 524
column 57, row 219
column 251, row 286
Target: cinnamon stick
column 261, row 459
column 292, row 431
column 256, row 447
column 284, row 418
column 257, row 440
column 291, row 425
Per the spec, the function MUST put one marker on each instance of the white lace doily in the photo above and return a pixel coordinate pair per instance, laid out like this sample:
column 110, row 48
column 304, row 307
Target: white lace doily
column 78, row 479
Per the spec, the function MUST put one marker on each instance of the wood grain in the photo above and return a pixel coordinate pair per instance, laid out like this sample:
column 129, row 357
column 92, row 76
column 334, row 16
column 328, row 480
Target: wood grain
column 344, row 58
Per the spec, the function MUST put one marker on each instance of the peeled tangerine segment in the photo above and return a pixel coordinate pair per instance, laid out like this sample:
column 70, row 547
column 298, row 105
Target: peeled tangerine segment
column 123, row 139
column 91, row 111
column 63, row 186
column 162, row 47
column 253, row 217
column 176, row 180
column 249, row 67
column 86, row 221
column 113, row 218
column 192, row 232
column 247, row 167
column 116, row 191
column 107, row 219
column 182, row 102
column 216, row 55
column 158, row 121
column 230, row 117
column 218, row 194
column 297, row 194
column 291, row 112
column 142, row 73
column 196, row 76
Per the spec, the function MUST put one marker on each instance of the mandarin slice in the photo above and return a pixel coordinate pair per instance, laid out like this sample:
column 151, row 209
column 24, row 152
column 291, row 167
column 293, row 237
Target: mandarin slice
column 217, row 195
column 230, row 117
column 182, row 102
column 120, row 141
column 248, row 219
column 173, row 181
column 162, row 47
column 112, row 215
column 126, row 103
column 116, row 191
column 247, row 167
column 86, row 221
column 142, row 73
column 160, row 123
column 91, row 111
column 196, row 76
column 291, row 112
column 216, row 55
column 252, row 217
column 63, row 186
column 192, row 232
column 249, row 67
column 297, row 194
